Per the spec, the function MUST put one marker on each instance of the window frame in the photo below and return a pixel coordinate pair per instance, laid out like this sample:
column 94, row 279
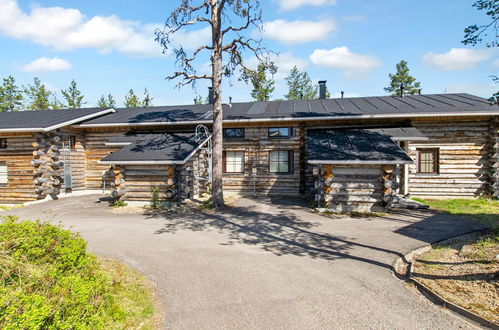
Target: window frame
column 4, row 184
column 288, row 136
column 3, row 143
column 224, row 161
column 291, row 162
column 234, row 137
column 436, row 160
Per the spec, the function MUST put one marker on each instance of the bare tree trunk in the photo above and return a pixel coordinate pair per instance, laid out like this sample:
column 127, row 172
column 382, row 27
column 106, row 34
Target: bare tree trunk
column 217, row 197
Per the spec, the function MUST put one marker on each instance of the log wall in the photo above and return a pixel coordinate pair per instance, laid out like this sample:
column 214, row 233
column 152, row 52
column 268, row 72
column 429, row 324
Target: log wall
column 18, row 156
column 139, row 179
column 356, row 188
column 95, row 149
column 256, row 146
column 465, row 160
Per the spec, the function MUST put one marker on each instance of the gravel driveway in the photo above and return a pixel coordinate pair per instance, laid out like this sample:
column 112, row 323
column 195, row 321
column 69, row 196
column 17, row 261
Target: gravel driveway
column 266, row 264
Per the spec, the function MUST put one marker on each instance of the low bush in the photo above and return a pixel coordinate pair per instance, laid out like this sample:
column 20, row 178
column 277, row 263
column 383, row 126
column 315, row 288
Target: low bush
column 49, row 281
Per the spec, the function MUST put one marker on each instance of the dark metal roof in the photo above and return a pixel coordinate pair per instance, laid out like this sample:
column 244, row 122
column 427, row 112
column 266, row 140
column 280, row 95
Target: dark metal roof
column 353, row 146
column 401, row 133
column 46, row 120
column 153, row 148
column 359, row 107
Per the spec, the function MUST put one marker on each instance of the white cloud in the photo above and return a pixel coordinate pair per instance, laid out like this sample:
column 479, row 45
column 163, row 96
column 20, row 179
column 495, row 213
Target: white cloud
column 293, row 4
column 354, row 65
column 44, row 64
column 295, row 32
column 66, row 28
column 457, row 58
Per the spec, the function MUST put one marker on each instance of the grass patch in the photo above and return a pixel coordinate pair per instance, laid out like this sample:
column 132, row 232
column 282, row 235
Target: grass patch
column 482, row 209
column 49, row 281
column 465, row 273
column 6, row 208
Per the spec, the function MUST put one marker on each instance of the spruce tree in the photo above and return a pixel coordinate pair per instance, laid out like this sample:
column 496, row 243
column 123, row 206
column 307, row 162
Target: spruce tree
column 132, row 100
column 11, row 96
column 37, row 96
column 73, row 96
column 106, row 102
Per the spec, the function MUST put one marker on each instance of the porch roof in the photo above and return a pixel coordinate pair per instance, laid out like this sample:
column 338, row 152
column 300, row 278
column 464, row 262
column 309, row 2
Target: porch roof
column 153, row 148
column 353, row 146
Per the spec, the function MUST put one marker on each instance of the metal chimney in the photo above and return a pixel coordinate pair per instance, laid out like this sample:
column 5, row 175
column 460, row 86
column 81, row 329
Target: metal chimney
column 342, row 94
column 211, row 99
column 402, row 89
column 322, row 89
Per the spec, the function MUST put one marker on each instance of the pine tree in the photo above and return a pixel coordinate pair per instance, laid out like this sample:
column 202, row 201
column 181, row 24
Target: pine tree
column 131, row 100
column 73, row 96
column 55, row 104
column 37, row 96
column 11, row 96
column 106, row 102
column 263, row 87
column 147, row 101
column 198, row 99
column 300, row 86
column 402, row 76
column 230, row 23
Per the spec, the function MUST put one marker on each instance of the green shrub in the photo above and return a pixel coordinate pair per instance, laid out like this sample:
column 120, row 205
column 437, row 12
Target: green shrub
column 118, row 203
column 49, row 281
column 155, row 203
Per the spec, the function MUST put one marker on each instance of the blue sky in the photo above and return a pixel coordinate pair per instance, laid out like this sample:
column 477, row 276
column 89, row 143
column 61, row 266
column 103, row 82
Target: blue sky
column 108, row 46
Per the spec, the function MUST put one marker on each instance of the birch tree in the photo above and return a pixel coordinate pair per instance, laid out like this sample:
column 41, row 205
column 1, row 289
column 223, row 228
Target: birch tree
column 229, row 21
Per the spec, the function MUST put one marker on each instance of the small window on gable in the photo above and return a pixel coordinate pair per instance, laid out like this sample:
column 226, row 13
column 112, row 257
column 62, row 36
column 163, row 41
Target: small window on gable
column 3, row 143
column 233, row 161
column 428, row 160
column 234, row 133
column 3, row 173
column 280, row 132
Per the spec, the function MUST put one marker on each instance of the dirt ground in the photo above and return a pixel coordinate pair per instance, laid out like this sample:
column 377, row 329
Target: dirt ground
column 465, row 272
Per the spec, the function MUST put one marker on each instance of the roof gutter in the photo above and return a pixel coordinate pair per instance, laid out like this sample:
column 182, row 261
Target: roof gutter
column 290, row 119
column 87, row 117
column 53, row 127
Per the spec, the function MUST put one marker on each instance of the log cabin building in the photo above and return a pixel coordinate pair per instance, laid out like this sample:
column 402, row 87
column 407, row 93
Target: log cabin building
column 347, row 153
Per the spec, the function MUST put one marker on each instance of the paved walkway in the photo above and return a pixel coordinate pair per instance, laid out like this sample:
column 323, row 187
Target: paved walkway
column 268, row 264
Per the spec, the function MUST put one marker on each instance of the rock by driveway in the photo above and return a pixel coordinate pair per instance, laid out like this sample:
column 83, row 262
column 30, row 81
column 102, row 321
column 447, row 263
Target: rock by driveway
column 268, row 264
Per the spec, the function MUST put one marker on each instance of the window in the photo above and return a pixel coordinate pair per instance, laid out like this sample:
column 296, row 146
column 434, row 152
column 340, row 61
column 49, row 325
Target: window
column 428, row 160
column 3, row 143
column 72, row 141
column 280, row 132
column 234, row 133
column 281, row 161
column 233, row 161
column 3, row 173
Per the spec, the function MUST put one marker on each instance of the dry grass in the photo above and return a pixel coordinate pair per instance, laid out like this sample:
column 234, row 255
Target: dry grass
column 465, row 273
